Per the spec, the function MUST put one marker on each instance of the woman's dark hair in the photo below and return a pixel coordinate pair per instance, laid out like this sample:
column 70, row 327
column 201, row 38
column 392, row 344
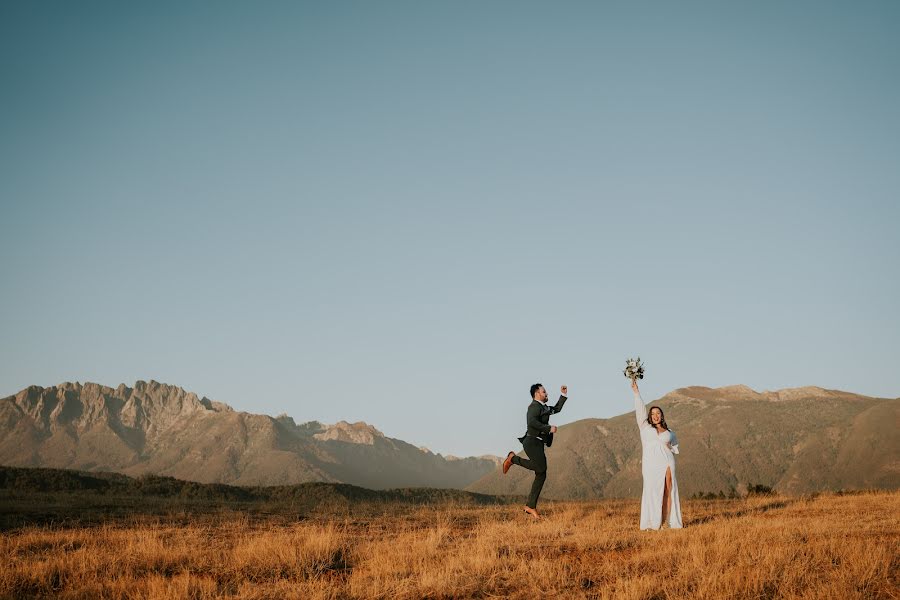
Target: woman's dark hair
column 662, row 417
column 535, row 388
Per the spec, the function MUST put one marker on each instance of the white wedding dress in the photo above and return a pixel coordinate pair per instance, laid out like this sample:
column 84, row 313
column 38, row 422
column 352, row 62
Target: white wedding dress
column 659, row 450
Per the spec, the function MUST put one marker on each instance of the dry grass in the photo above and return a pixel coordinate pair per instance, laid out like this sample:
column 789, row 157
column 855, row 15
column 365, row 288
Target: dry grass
column 766, row 547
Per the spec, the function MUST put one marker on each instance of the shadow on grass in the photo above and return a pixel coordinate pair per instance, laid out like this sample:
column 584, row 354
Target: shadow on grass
column 756, row 510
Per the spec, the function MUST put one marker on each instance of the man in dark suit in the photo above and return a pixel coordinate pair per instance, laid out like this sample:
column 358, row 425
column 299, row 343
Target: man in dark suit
column 538, row 434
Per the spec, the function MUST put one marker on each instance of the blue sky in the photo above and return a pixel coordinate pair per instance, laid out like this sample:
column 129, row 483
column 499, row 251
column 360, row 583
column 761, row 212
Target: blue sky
column 407, row 212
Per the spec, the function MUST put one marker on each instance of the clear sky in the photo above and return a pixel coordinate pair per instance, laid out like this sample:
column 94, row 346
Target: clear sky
column 407, row 212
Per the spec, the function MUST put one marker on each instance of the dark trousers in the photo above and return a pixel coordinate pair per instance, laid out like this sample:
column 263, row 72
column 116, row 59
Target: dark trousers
column 537, row 462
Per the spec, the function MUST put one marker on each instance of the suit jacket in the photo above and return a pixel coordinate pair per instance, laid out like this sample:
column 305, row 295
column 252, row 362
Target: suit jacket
column 537, row 420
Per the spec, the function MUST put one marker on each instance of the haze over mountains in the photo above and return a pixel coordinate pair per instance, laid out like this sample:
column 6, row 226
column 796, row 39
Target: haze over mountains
column 796, row 441
column 164, row 430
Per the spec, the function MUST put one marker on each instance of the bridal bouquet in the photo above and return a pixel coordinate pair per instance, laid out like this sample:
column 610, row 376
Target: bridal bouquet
column 634, row 369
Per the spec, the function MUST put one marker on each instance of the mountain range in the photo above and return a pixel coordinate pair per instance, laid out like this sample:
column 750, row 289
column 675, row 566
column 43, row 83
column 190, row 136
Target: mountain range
column 795, row 441
column 154, row 428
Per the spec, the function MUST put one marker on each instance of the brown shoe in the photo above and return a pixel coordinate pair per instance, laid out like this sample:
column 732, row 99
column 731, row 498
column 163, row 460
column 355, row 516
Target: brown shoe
column 532, row 512
column 508, row 462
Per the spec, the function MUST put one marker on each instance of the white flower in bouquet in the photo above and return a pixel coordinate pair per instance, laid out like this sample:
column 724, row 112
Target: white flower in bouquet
column 634, row 369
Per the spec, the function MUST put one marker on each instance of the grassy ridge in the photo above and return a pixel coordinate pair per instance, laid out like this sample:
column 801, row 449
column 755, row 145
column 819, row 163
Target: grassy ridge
column 62, row 480
column 34, row 496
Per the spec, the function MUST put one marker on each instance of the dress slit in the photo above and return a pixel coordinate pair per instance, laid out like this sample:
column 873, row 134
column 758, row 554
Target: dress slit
column 667, row 497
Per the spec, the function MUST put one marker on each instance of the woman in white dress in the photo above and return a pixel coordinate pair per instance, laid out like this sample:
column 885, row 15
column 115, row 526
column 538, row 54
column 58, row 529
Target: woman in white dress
column 659, row 501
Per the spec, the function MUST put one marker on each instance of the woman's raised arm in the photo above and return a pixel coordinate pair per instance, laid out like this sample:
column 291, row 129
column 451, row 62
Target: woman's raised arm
column 640, row 411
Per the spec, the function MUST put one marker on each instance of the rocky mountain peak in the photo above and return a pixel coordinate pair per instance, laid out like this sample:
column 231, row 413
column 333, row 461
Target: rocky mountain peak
column 148, row 407
column 354, row 433
column 742, row 392
column 737, row 391
column 286, row 419
column 809, row 391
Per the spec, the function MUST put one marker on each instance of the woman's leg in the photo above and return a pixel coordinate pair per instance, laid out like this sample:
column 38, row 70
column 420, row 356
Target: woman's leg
column 667, row 498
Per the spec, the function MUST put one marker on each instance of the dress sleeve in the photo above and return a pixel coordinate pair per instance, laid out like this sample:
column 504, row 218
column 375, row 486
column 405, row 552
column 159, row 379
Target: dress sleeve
column 640, row 411
column 673, row 442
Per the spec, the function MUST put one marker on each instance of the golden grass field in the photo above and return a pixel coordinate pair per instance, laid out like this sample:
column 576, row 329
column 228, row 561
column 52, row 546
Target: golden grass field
column 829, row 546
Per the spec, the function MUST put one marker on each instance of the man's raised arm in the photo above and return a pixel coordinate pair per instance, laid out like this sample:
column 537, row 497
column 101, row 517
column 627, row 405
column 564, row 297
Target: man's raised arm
column 563, row 396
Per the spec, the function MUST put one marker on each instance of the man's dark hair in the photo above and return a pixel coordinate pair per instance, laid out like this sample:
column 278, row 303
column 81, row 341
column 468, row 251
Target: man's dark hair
column 535, row 388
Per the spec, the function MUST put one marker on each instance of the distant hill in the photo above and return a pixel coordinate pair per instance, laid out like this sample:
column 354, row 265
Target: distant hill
column 796, row 441
column 27, row 480
column 154, row 428
column 60, row 497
